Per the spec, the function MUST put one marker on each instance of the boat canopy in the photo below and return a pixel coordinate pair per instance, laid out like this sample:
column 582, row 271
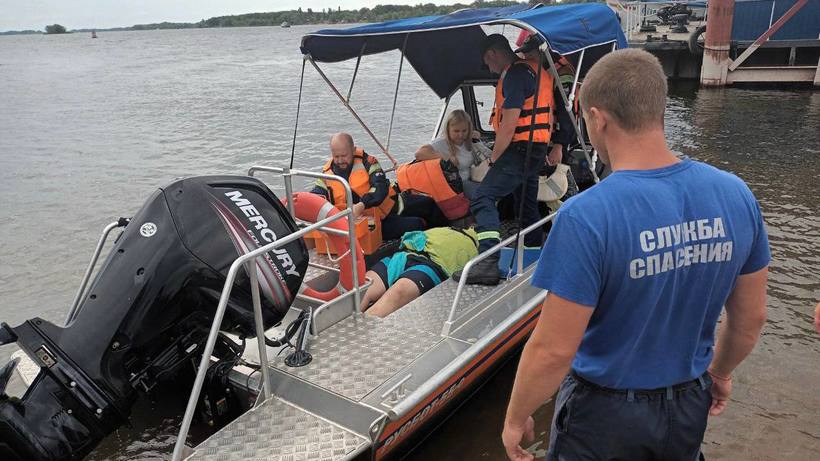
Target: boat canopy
column 444, row 50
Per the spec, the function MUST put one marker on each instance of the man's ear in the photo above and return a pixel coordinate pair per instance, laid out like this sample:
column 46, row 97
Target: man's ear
column 598, row 117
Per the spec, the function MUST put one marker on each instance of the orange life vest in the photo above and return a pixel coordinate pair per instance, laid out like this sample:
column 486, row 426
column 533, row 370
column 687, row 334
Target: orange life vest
column 427, row 177
column 542, row 129
column 359, row 181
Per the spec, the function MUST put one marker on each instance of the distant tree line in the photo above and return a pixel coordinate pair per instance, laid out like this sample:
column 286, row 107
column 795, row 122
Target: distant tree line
column 56, row 29
column 327, row 15
column 21, row 32
column 378, row 13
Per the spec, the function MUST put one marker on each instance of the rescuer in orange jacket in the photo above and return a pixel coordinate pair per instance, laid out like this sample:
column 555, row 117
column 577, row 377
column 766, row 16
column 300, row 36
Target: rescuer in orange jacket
column 513, row 169
column 399, row 213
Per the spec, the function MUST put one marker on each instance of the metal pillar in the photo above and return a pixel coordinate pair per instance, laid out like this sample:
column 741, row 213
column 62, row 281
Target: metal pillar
column 817, row 74
column 718, row 39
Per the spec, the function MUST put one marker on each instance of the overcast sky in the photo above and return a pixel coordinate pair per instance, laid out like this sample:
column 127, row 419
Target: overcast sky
column 81, row 14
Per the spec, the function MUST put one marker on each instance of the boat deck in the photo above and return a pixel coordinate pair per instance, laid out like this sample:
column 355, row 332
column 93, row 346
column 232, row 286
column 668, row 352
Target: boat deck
column 277, row 430
column 362, row 368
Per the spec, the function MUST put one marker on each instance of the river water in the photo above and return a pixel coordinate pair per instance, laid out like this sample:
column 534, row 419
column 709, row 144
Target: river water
column 89, row 128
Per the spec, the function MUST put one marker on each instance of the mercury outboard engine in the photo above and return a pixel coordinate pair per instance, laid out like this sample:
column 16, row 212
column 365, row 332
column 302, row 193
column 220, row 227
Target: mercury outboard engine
column 148, row 313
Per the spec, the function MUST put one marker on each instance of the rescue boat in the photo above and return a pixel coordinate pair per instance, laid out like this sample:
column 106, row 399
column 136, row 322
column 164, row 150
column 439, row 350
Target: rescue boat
column 337, row 384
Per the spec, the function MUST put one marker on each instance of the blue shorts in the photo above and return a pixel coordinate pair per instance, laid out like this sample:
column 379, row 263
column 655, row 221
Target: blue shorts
column 418, row 269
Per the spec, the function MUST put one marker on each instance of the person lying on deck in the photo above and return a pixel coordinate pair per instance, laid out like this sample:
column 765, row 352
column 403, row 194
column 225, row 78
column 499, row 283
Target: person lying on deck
column 424, row 259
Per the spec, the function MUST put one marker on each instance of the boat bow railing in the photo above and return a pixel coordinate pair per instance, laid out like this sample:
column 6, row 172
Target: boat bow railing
column 249, row 260
column 440, row 378
column 519, row 264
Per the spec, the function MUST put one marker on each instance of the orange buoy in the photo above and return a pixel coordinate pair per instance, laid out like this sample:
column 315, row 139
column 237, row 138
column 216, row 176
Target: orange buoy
column 313, row 208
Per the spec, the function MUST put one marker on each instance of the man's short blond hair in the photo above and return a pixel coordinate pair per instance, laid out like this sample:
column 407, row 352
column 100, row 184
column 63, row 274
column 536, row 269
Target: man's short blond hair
column 630, row 85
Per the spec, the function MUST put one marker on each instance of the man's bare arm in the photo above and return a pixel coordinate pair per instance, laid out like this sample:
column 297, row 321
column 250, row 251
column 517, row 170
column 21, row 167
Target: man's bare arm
column 544, row 363
column 745, row 317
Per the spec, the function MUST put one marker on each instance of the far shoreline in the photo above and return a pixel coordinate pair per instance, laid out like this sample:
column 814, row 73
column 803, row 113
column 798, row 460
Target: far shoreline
column 298, row 17
column 117, row 30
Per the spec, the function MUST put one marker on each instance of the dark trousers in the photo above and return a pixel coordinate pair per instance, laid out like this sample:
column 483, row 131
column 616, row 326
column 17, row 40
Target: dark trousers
column 394, row 226
column 506, row 177
column 418, row 212
column 595, row 423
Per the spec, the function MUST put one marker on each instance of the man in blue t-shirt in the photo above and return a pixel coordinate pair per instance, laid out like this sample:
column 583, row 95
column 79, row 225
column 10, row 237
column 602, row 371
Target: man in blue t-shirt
column 638, row 269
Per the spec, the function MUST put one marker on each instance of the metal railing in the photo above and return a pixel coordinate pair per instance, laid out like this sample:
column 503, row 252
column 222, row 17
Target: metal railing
column 249, row 261
column 462, row 281
column 287, row 176
column 75, row 305
column 634, row 13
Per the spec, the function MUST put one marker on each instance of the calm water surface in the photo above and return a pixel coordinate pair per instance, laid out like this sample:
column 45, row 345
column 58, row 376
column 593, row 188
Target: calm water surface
column 88, row 128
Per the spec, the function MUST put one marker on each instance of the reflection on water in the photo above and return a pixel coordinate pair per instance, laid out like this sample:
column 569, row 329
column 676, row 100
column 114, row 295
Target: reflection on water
column 89, row 128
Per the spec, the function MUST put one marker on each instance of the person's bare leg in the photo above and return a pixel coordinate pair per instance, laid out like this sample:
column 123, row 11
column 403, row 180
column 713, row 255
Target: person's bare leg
column 373, row 293
column 401, row 293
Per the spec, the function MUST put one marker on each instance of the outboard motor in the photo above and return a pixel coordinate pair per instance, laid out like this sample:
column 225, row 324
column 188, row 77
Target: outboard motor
column 148, row 312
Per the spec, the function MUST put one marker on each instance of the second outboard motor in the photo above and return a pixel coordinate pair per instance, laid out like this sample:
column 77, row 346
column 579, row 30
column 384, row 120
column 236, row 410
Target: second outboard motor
column 148, row 312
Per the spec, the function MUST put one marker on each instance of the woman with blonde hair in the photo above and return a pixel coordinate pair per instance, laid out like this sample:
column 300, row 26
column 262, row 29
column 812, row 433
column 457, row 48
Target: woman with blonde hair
column 460, row 146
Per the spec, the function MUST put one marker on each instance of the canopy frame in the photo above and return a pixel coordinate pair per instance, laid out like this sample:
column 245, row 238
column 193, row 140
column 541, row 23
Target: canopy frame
column 545, row 48
column 396, row 97
column 350, row 108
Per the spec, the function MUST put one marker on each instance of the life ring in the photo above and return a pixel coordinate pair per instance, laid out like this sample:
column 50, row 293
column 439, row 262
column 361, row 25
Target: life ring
column 694, row 44
column 313, row 208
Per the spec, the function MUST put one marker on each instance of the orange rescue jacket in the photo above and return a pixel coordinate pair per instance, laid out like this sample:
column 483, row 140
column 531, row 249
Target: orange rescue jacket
column 359, row 181
column 427, row 177
column 542, row 129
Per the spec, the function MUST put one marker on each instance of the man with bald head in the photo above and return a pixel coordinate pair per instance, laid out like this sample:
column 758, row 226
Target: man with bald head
column 371, row 190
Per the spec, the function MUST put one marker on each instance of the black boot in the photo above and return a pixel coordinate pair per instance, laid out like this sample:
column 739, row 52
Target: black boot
column 484, row 272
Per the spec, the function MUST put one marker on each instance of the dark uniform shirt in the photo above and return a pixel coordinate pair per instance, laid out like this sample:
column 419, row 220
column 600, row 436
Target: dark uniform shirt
column 519, row 84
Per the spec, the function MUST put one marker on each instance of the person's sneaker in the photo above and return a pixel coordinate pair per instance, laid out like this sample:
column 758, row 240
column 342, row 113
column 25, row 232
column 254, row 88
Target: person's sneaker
column 485, row 272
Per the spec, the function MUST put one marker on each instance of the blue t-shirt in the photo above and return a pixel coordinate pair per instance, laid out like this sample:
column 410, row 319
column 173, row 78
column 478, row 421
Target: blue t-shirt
column 656, row 253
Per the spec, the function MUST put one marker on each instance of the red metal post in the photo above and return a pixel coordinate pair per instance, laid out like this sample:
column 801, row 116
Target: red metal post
column 718, row 39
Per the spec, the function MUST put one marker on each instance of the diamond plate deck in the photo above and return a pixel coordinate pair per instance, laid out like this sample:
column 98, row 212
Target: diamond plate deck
column 429, row 312
column 358, row 354
column 278, row 431
column 318, row 258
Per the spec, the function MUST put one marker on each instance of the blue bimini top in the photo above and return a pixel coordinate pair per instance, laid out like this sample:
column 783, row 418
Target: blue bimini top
column 444, row 50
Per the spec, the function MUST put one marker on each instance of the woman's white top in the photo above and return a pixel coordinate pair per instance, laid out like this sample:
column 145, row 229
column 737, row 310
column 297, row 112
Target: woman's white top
column 466, row 158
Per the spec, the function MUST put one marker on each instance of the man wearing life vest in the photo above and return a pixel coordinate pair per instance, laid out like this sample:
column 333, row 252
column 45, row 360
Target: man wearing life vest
column 528, row 48
column 371, row 189
column 423, row 261
column 512, row 167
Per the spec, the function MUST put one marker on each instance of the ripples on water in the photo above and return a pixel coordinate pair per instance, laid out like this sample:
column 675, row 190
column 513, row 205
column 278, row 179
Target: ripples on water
column 88, row 128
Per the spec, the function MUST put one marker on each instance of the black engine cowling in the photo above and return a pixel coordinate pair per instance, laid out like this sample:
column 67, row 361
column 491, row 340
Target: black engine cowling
column 148, row 312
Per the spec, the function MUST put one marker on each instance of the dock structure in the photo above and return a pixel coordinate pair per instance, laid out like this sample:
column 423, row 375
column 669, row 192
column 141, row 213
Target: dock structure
column 746, row 41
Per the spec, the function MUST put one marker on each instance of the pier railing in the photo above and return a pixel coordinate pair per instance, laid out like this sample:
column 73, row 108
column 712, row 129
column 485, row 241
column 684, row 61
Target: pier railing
column 634, row 13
